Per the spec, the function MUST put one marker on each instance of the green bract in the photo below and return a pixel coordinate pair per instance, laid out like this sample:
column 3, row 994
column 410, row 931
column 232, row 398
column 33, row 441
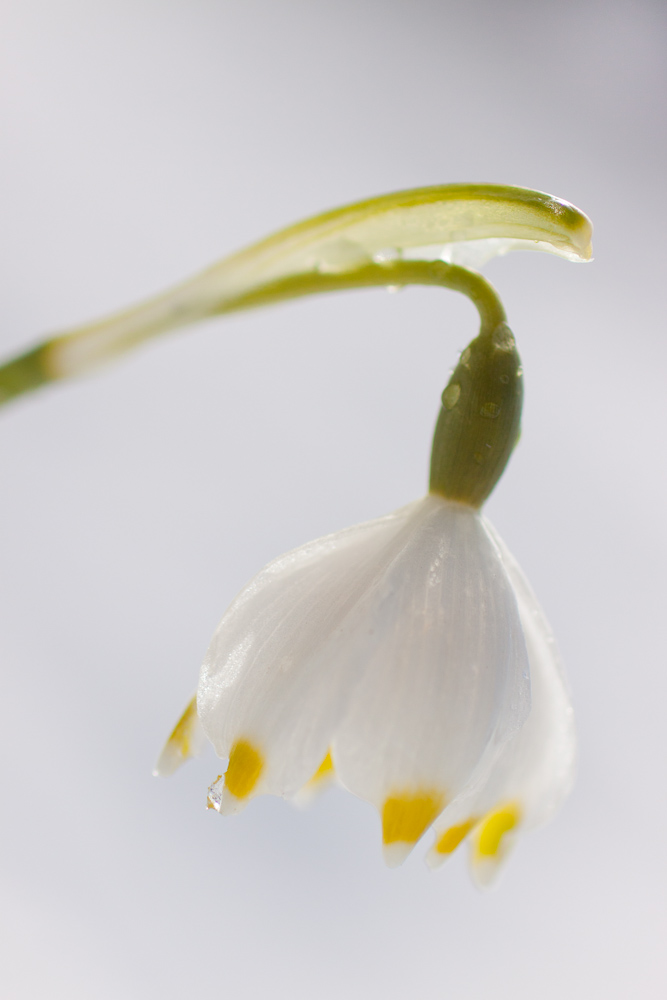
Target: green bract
column 412, row 237
column 479, row 420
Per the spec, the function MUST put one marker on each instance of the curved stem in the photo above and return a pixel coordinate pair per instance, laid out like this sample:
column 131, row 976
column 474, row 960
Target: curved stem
column 84, row 349
column 391, row 274
column 358, row 245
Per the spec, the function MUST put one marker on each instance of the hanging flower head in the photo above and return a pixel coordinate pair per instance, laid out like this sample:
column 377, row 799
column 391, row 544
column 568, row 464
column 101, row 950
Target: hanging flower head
column 406, row 657
column 397, row 655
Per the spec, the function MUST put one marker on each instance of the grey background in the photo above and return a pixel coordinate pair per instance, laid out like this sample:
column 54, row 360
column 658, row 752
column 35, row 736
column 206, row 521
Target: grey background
column 142, row 140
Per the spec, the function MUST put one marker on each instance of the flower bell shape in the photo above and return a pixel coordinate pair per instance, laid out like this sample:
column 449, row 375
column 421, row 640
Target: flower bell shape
column 399, row 657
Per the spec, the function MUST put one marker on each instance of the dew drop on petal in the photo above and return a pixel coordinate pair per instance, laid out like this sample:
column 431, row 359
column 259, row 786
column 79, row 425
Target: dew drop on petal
column 214, row 797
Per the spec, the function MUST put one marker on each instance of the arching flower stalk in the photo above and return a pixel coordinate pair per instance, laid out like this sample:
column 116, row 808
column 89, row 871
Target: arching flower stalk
column 406, row 657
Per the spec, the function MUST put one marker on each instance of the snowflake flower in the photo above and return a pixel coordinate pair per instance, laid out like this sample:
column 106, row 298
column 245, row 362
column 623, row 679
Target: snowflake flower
column 397, row 655
column 407, row 656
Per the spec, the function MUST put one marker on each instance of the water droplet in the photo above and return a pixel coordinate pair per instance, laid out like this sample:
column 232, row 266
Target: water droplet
column 465, row 357
column 340, row 255
column 387, row 255
column 450, row 396
column 490, row 410
column 505, row 379
column 214, row 797
column 478, row 457
column 392, row 289
column 503, row 338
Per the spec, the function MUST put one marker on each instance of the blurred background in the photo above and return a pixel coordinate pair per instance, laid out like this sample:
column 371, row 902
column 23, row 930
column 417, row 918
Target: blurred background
column 143, row 140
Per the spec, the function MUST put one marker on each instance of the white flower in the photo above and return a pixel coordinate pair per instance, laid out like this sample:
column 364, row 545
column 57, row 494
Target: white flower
column 535, row 771
column 395, row 655
column 398, row 655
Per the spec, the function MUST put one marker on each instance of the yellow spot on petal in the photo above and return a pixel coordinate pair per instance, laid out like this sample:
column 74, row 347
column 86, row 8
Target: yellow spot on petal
column 180, row 741
column 245, row 767
column 325, row 770
column 494, row 828
column 405, row 817
column 320, row 780
column 451, row 838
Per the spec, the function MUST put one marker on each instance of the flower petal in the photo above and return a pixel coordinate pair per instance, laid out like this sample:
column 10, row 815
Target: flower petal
column 535, row 771
column 492, row 842
column 263, row 682
column 541, row 765
column 438, row 648
column 187, row 740
column 323, row 778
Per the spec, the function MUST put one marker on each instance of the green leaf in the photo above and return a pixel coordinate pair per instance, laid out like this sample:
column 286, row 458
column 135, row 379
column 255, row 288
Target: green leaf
column 381, row 241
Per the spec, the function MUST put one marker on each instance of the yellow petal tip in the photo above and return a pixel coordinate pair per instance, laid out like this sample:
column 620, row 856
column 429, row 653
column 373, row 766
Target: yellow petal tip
column 494, row 828
column 405, row 817
column 448, row 841
column 185, row 742
column 245, row 767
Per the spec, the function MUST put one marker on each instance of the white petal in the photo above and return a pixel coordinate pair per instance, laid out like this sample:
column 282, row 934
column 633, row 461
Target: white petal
column 539, row 765
column 323, row 778
column 492, row 843
column 442, row 666
column 262, row 682
column 187, row 740
column 535, row 770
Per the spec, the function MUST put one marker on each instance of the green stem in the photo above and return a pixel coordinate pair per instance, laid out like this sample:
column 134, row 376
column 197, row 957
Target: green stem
column 394, row 274
column 357, row 245
column 84, row 349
